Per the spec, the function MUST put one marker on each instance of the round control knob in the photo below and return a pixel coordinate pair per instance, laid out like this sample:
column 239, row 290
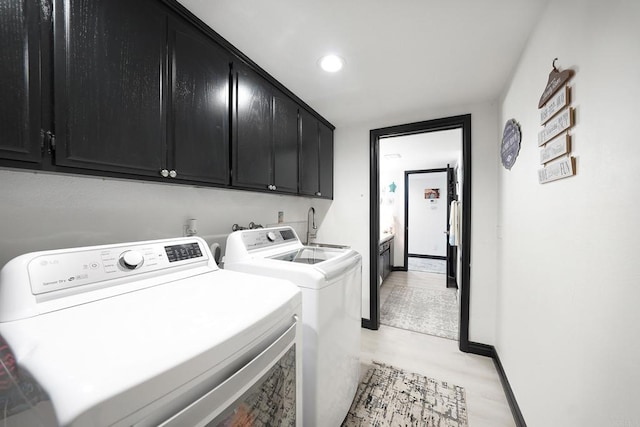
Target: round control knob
column 271, row 236
column 173, row 173
column 164, row 173
column 131, row 260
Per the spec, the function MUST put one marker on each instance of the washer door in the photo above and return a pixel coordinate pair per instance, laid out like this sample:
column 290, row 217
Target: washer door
column 263, row 391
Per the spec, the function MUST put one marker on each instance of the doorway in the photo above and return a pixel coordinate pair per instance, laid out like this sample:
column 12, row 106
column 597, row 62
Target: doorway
column 426, row 216
column 431, row 210
column 463, row 123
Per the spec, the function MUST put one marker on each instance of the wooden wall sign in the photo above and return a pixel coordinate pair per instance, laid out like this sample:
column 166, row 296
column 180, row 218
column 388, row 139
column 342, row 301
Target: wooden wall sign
column 556, row 80
column 555, row 149
column 556, row 126
column 510, row 143
column 563, row 168
column 556, row 116
column 555, row 104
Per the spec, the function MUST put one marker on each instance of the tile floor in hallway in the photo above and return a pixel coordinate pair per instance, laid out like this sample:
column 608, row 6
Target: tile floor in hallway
column 440, row 358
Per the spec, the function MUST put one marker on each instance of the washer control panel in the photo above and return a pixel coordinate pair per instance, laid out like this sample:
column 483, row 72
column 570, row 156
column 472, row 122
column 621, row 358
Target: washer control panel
column 58, row 270
column 265, row 237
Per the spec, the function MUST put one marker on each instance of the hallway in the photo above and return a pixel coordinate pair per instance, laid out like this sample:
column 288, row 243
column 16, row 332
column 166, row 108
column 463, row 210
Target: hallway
column 419, row 301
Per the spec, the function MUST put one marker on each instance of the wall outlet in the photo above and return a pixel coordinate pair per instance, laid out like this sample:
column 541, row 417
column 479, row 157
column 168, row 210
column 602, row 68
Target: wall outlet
column 280, row 217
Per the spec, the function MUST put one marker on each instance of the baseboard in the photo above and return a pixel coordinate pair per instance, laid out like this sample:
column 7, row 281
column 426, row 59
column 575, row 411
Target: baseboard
column 490, row 351
column 438, row 257
column 511, row 398
column 399, row 268
column 480, row 349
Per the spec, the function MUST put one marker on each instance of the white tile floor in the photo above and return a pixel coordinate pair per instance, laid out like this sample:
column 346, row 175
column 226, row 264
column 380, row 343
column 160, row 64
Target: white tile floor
column 440, row 358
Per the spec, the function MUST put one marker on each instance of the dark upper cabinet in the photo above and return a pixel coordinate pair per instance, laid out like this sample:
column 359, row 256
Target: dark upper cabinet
column 309, row 154
column 316, row 157
column 20, row 81
column 198, row 136
column 326, row 161
column 285, row 143
column 143, row 89
column 252, row 130
column 110, row 77
column 264, row 142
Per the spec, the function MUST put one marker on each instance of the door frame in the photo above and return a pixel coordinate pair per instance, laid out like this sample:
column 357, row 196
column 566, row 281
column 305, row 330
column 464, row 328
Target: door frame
column 462, row 122
column 406, row 213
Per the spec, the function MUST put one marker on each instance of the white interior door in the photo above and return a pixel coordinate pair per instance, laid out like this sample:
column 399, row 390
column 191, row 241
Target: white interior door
column 427, row 213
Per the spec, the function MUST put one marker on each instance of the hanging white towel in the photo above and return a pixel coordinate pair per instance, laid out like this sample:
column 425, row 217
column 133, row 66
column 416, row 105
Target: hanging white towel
column 454, row 223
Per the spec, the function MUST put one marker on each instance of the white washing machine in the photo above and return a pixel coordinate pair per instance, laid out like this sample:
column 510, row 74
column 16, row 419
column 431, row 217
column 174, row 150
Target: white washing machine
column 146, row 334
column 330, row 279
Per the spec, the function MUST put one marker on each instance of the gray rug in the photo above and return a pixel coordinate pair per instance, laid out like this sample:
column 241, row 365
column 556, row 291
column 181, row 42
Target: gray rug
column 429, row 311
column 388, row 396
column 428, row 265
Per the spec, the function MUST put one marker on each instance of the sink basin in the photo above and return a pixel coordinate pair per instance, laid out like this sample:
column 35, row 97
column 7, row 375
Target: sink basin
column 311, row 254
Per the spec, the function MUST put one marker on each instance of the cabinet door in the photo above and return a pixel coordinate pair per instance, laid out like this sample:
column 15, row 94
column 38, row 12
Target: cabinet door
column 199, row 118
column 252, row 119
column 285, row 143
column 309, row 154
column 326, row 161
column 110, row 71
column 19, row 81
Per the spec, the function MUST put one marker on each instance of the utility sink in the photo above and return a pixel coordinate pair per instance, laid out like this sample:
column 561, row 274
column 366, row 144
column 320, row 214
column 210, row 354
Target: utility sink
column 312, row 254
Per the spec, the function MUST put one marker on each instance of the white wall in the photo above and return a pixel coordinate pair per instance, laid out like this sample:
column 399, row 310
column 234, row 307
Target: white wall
column 47, row 211
column 347, row 219
column 427, row 217
column 568, row 323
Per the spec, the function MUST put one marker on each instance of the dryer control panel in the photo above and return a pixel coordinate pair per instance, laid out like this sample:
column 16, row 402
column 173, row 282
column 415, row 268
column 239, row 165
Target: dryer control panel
column 41, row 282
column 67, row 269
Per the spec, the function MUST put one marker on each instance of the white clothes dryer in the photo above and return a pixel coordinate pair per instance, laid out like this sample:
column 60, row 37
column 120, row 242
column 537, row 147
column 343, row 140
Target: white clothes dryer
column 331, row 282
column 146, row 334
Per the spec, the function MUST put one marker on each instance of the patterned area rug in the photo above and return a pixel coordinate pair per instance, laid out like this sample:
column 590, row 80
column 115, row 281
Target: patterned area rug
column 427, row 264
column 391, row 397
column 424, row 310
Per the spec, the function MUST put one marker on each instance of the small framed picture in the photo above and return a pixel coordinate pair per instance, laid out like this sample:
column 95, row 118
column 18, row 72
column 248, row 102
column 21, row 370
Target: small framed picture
column 431, row 193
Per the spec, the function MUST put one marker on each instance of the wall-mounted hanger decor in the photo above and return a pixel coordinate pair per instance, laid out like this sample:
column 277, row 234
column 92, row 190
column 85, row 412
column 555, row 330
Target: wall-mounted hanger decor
column 557, row 78
column 556, row 117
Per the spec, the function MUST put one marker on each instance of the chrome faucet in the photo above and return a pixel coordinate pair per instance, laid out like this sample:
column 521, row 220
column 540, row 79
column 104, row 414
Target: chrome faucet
column 311, row 225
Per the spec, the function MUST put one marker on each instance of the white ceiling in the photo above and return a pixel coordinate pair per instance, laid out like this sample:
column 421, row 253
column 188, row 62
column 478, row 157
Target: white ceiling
column 401, row 55
column 428, row 150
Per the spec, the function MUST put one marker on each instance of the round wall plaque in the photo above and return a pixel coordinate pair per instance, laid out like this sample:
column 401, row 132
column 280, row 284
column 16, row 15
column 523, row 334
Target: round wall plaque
column 510, row 143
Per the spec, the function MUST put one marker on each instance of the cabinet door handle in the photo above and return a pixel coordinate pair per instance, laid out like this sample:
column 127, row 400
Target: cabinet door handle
column 274, row 187
column 173, row 173
column 164, row 173
column 318, row 194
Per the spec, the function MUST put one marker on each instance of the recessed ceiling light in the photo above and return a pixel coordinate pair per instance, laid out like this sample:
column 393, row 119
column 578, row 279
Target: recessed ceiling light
column 331, row 63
